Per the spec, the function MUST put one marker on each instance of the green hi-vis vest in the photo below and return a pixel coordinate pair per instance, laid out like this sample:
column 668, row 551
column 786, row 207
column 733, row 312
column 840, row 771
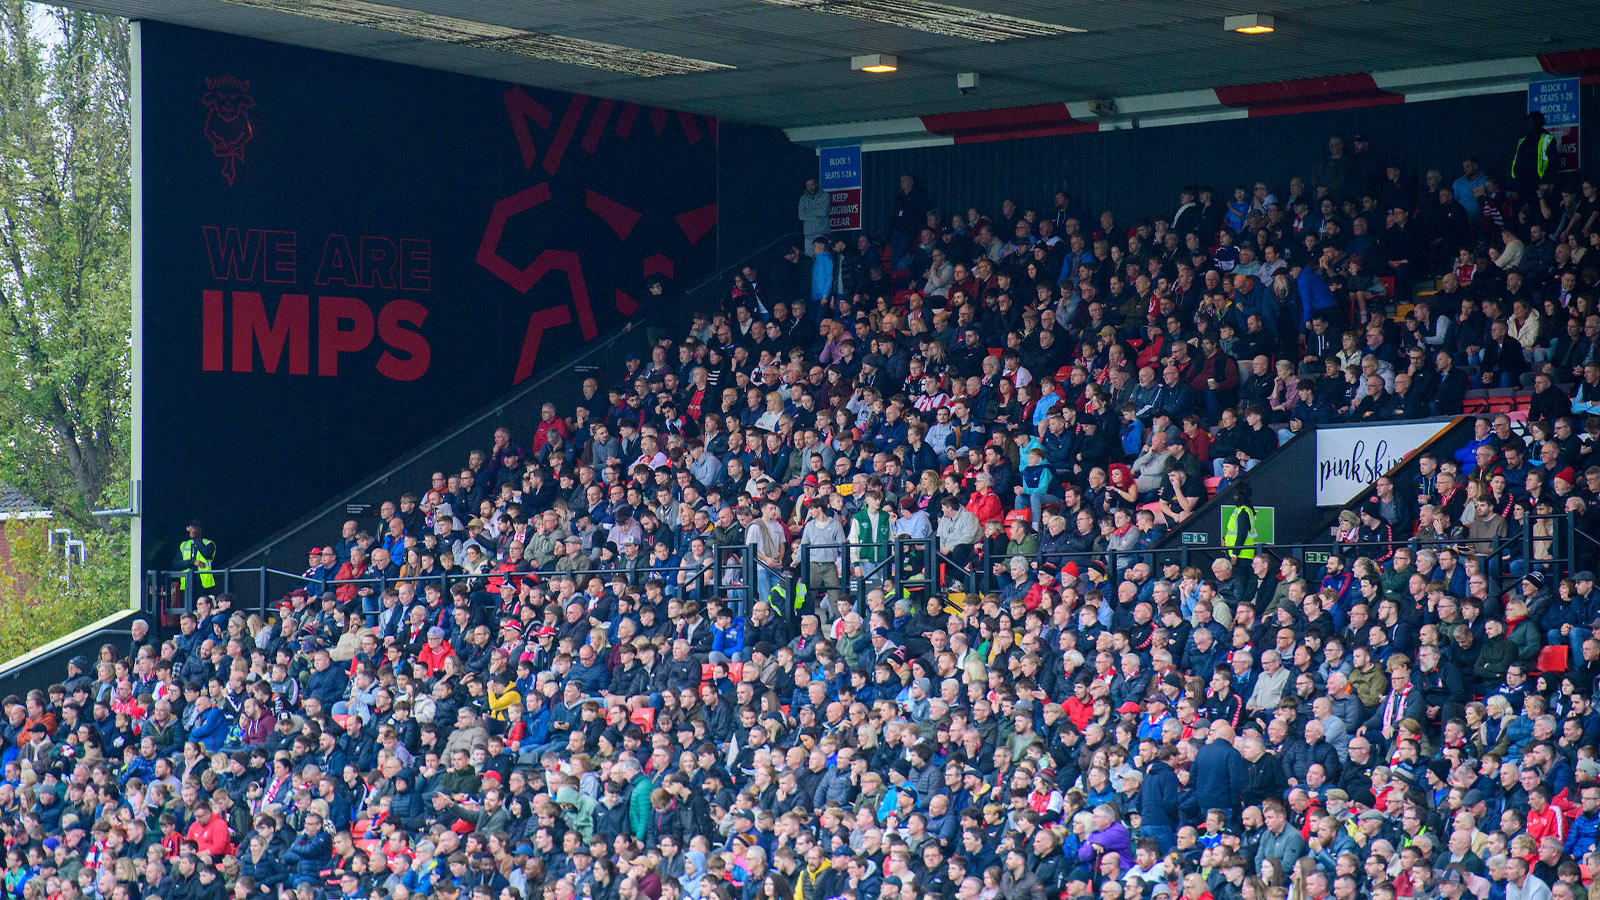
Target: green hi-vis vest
column 775, row 598
column 1240, row 536
column 191, row 552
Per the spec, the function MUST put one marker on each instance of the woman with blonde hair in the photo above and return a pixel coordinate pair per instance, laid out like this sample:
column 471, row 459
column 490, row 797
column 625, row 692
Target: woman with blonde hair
column 1522, row 630
column 1484, row 730
column 768, row 420
column 929, row 491
column 1285, row 391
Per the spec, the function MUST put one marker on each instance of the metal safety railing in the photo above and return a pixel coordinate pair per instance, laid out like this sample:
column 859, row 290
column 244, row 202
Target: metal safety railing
column 727, row 575
column 911, row 566
column 1517, row 546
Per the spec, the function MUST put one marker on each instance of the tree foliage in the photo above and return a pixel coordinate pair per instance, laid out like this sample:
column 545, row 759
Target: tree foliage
column 65, row 257
column 42, row 597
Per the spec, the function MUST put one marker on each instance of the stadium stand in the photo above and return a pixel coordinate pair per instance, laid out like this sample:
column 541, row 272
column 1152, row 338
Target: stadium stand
column 846, row 591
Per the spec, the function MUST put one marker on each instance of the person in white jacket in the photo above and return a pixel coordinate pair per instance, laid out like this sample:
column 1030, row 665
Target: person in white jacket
column 1510, row 258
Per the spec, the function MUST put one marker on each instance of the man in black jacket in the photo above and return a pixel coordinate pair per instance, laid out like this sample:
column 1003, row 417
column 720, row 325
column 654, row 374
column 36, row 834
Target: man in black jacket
column 681, row 671
column 1218, row 772
column 1399, row 704
column 1158, row 801
column 1449, row 386
column 1263, row 772
column 1441, row 685
column 1502, row 362
column 1402, row 251
column 1448, row 229
column 1547, row 403
column 1313, row 750
column 631, row 679
column 1045, row 860
column 1408, row 401
column 1375, row 405
column 1356, row 778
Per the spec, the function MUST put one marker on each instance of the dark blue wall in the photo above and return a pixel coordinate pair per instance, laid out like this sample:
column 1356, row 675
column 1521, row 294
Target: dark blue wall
column 537, row 215
column 760, row 175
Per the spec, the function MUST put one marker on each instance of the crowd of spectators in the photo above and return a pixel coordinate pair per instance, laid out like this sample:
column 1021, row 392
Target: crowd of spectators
column 542, row 675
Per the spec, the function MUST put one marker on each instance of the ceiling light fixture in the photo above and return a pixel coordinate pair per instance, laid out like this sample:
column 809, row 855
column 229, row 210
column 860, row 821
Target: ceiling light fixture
column 488, row 36
column 1251, row 23
column 934, row 18
column 876, row 63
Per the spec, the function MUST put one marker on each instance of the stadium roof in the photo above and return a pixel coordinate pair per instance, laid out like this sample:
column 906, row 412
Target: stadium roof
column 787, row 62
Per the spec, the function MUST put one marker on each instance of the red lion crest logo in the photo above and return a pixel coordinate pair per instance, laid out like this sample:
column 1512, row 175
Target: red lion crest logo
column 228, row 103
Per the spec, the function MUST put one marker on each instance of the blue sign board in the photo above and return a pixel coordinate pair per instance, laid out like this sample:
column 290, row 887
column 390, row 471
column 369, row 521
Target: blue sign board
column 1557, row 98
column 839, row 167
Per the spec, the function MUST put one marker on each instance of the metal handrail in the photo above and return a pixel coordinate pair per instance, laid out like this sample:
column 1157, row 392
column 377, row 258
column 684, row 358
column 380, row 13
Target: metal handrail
column 158, row 578
column 911, row 564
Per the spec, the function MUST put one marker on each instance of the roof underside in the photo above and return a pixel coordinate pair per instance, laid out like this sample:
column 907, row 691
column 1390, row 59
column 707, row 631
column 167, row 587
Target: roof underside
column 789, row 59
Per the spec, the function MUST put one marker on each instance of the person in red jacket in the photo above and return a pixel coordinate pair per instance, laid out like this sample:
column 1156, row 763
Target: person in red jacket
column 1544, row 820
column 436, row 651
column 353, row 568
column 548, row 422
column 209, row 832
column 984, row 503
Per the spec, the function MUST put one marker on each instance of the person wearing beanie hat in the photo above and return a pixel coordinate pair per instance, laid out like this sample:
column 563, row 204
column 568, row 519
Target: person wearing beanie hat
column 1375, row 536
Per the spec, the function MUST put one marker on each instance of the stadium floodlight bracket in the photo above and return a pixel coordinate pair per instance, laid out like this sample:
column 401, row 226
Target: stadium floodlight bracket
column 131, row 511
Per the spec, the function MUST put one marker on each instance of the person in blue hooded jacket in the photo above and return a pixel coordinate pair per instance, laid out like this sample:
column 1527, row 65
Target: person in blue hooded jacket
column 1315, row 295
column 727, row 637
column 1037, row 485
column 824, row 270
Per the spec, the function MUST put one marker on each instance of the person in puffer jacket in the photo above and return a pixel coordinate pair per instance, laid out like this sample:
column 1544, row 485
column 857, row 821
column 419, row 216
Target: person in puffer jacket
column 310, row 853
column 1583, row 833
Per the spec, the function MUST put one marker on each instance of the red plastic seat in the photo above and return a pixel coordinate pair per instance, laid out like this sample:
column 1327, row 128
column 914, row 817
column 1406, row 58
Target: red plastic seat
column 735, row 670
column 1211, row 486
column 707, row 670
column 644, row 718
column 1552, row 659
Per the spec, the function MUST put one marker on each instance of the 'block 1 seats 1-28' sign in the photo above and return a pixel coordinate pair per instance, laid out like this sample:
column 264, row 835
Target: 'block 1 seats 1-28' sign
column 839, row 173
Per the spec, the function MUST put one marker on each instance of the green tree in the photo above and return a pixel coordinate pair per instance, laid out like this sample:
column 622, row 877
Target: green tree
column 43, row 597
column 65, row 214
